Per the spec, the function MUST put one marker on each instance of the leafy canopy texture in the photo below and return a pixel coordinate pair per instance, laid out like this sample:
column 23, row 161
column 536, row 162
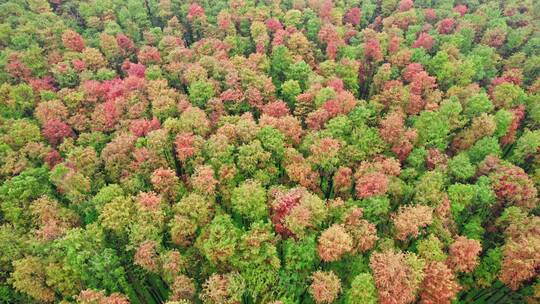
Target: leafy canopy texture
column 274, row 152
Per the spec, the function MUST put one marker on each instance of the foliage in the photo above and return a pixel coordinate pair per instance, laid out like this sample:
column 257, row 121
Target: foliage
column 269, row 151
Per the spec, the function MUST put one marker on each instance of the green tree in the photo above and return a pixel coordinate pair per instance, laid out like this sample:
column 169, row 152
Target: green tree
column 299, row 71
column 299, row 259
column 219, row 240
column 280, row 62
column 249, row 201
column 478, row 104
column 290, row 89
column 433, row 129
column 460, row 167
column 17, row 193
column 362, row 290
column 200, row 92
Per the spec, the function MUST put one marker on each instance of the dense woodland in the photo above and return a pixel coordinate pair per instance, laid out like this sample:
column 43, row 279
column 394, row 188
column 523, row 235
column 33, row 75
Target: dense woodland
column 293, row 151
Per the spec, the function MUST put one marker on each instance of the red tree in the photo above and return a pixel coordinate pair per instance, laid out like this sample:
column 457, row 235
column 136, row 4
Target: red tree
column 353, row 16
column 334, row 242
column 146, row 256
column 409, row 220
column 405, row 5
column 141, row 127
column 372, row 50
column 55, row 131
column 521, row 252
column 125, row 43
column 425, row 41
column 513, row 186
column 73, row 41
column 397, row 276
column 195, row 11
column 166, row 183
column 371, row 184
column 446, row 26
column 461, row 9
column 343, row 181
column 464, row 254
column 148, row 55
column 518, row 114
column 439, row 285
column 325, row 287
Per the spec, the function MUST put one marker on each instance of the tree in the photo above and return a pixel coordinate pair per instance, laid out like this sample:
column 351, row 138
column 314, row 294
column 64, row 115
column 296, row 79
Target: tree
column 52, row 219
column 187, row 145
column 200, row 92
column 431, row 249
column 117, row 155
column 520, row 252
column 203, row 180
column 461, row 197
column 483, row 148
column 439, row 285
column 90, row 296
column 290, row 89
column 325, row 287
column 429, row 188
column 393, row 131
column 353, row 16
column 29, row 277
column 146, row 256
column 425, row 41
column 514, row 187
column 118, row 214
column 376, row 208
column 363, row 233
column 148, row 55
column 300, row 258
column 371, row 184
column 218, row 241
column 249, row 200
column 19, row 133
column 488, row 270
column 280, row 62
column 485, row 61
column 252, row 157
column 460, row 167
column 397, row 276
column 227, row 288
column 17, row 192
column 362, row 290
column 296, row 211
column 166, row 183
column 507, row 95
column 410, row 219
column 269, row 152
column 258, row 261
column 464, row 254
column 324, row 154
column 334, row 242
column 273, row 141
column 432, row 130
column 300, row 72
column 196, row 207
column 182, row 288
column 477, row 105
column 446, row 26
column 526, row 147
column 372, row 50
column 73, row 41
column 73, row 184
column 192, row 120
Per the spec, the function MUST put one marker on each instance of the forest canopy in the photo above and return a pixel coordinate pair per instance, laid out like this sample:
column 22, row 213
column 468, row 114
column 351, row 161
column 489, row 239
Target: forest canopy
column 275, row 152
